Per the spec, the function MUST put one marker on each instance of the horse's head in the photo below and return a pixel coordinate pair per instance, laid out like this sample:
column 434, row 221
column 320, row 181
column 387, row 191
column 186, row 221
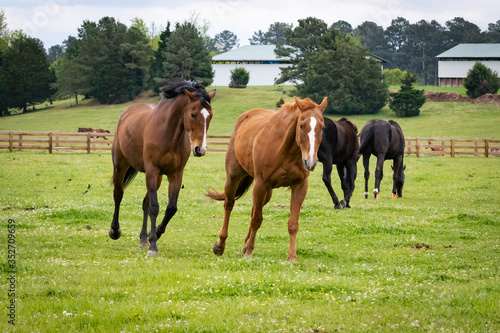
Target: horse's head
column 197, row 116
column 309, row 130
column 398, row 181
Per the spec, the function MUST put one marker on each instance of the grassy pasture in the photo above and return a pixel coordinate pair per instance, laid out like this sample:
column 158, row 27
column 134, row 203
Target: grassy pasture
column 357, row 270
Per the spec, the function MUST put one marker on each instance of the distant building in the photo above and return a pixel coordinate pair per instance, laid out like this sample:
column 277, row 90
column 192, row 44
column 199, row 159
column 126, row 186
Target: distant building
column 259, row 60
column 454, row 64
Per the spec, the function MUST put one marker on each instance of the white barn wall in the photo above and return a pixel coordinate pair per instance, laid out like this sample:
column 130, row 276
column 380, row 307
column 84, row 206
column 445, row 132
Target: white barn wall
column 260, row 74
column 459, row 69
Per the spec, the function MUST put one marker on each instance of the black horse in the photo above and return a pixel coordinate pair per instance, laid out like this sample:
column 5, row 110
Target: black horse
column 386, row 141
column 339, row 146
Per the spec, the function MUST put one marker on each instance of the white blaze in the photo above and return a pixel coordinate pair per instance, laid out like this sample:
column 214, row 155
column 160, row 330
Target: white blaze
column 205, row 114
column 312, row 139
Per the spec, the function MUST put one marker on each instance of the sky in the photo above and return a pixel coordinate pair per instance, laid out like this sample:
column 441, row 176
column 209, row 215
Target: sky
column 52, row 21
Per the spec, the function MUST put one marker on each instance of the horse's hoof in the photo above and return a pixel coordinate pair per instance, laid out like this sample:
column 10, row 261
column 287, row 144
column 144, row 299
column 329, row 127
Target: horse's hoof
column 218, row 250
column 246, row 252
column 143, row 244
column 115, row 234
column 366, row 195
column 338, row 206
column 343, row 203
column 394, row 196
column 152, row 252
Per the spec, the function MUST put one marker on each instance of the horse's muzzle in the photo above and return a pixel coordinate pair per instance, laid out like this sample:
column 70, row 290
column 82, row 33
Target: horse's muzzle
column 309, row 164
column 198, row 152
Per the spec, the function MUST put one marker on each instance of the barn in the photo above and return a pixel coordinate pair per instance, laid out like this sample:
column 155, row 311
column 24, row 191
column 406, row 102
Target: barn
column 259, row 60
column 454, row 64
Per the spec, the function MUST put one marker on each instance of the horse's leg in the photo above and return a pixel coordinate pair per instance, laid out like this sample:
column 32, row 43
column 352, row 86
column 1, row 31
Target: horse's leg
column 343, row 176
column 327, row 180
column 351, row 173
column 144, row 231
column 145, row 213
column 379, row 174
column 152, row 175
column 119, row 171
column 174, row 186
column 261, row 195
column 233, row 178
column 397, row 164
column 366, row 165
column 299, row 192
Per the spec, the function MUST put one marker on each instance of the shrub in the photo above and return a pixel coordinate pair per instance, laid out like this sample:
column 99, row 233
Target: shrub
column 408, row 101
column 394, row 77
column 239, row 78
column 481, row 80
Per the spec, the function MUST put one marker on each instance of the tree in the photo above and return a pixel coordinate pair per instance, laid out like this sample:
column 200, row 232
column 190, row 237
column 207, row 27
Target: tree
column 408, row 101
column 186, row 57
column 343, row 27
column 327, row 64
column 69, row 80
column 225, row 41
column 55, row 52
column 481, row 80
column 372, row 37
column 239, row 78
column 493, row 33
column 25, row 73
column 275, row 35
column 462, row 31
column 393, row 77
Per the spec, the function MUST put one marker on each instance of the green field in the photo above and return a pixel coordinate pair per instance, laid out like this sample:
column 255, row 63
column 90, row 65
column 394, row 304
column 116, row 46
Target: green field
column 358, row 270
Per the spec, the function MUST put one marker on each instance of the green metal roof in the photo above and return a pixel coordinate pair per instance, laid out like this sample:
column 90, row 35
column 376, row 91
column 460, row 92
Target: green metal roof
column 250, row 53
column 472, row 51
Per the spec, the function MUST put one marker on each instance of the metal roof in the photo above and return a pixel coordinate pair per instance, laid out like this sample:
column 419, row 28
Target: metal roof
column 479, row 50
column 250, row 53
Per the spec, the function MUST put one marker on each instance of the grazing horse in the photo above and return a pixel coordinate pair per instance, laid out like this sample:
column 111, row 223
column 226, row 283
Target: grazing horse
column 90, row 130
column 156, row 140
column 386, row 141
column 339, row 146
column 277, row 149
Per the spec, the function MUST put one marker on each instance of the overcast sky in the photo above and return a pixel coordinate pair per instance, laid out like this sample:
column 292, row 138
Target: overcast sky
column 53, row 21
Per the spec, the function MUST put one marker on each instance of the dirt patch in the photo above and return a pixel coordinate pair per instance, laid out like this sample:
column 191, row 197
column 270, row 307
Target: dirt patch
column 421, row 246
column 434, row 96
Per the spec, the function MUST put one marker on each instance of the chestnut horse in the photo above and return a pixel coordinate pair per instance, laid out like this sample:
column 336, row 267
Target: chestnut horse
column 386, row 141
column 277, row 149
column 156, row 140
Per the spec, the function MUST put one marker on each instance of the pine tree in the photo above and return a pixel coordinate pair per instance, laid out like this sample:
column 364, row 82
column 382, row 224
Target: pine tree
column 481, row 80
column 408, row 101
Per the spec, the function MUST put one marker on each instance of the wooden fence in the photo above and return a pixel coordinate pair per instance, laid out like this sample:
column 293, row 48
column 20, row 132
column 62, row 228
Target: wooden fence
column 69, row 141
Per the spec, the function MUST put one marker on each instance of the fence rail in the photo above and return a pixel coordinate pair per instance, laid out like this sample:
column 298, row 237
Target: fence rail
column 93, row 141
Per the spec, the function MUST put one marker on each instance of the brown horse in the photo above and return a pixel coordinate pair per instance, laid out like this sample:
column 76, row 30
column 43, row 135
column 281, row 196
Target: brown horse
column 156, row 140
column 90, row 130
column 277, row 149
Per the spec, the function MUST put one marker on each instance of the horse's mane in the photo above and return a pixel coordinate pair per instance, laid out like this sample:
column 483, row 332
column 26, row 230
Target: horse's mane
column 176, row 88
column 349, row 122
column 292, row 106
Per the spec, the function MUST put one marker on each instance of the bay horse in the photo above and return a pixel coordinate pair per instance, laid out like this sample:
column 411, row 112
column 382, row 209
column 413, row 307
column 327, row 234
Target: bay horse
column 156, row 140
column 339, row 146
column 386, row 141
column 90, row 130
column 277, row 149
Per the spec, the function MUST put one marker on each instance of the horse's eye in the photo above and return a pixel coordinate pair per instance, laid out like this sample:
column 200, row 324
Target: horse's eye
column 301, row 127
column 193, row 115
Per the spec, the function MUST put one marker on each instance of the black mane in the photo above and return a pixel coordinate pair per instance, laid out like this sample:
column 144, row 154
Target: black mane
column 176, row 88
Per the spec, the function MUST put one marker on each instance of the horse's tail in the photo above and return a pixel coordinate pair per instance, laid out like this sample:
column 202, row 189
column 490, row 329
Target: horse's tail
column 365, row 138
column 243, row 187
column 129, row 176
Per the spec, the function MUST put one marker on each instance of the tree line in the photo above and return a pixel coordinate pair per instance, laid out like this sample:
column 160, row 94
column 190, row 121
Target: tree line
column 113, row 62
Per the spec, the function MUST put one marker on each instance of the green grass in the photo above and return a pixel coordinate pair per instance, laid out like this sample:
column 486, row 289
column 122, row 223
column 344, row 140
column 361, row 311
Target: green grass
column 357, row 270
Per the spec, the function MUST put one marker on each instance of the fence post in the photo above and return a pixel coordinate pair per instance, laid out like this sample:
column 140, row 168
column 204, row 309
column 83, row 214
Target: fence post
column 11, row 141
column 443, row 145
column 50, row 142
column 476, row 146
column 417, row 146
column 408, row 151
column 452, row 147
column 20, row 140
column 57, row 138
column 486, row 147
column 88, row 142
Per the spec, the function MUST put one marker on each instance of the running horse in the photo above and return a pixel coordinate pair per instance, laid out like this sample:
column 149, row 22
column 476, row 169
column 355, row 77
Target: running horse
column 156, row 140
column 276, row 149
column 339, row 146
column 385, row 140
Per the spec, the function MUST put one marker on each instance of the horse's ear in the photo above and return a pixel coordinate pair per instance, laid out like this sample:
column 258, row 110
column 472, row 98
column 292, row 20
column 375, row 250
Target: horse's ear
column 322, row 106
column 299, row 103
column 404, row 168
column 189, row 94
column 212, row 94
column 392, row 167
